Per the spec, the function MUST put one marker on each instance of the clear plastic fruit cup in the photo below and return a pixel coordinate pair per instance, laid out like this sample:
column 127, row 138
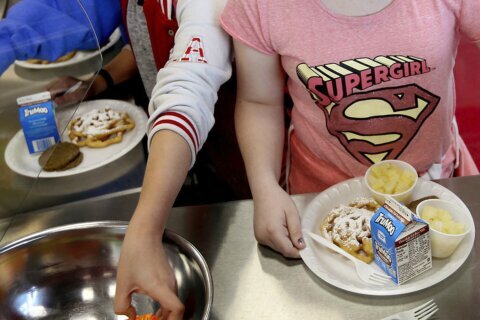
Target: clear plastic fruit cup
column 444, row 244
column 403, row 196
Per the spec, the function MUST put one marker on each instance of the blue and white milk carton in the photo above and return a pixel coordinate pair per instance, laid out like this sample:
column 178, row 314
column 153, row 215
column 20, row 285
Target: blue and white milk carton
column 401, row 242
column 37, row 117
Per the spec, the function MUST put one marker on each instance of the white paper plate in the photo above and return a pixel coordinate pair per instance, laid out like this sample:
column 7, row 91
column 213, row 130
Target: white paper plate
column 22, row 162
column 340, row 272
column 79, row 56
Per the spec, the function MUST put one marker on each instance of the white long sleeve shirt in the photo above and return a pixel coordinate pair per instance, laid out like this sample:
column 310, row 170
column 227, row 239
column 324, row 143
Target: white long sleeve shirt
column 185, row 92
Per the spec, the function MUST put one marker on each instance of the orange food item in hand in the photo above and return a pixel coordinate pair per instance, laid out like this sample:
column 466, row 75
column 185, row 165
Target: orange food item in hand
column 148, row 317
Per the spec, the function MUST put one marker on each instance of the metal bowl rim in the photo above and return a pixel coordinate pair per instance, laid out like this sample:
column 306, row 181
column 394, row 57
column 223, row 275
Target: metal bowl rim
column 184, row 244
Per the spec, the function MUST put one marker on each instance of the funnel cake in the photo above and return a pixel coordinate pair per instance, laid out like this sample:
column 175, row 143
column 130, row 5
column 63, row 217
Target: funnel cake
column 349, row 227
column 99, row 128
column 63, row 58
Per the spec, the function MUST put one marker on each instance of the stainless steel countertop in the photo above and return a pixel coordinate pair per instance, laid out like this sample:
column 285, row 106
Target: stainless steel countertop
column 253, row 282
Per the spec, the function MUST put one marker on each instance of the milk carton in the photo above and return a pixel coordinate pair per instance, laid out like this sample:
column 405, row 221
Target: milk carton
column 37, row 117
column 401, row 242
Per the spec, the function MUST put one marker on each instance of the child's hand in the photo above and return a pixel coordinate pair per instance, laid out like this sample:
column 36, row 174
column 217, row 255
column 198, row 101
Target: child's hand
column 277, row 223
column 144, row 268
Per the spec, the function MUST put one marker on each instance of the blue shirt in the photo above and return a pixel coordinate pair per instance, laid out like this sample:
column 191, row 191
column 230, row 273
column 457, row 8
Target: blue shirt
column 48, row 29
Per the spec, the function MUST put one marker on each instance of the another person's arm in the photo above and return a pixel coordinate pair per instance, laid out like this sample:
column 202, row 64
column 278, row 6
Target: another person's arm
column 259, row 120
column 121, row 68
column 48, row 29
column 181, row 110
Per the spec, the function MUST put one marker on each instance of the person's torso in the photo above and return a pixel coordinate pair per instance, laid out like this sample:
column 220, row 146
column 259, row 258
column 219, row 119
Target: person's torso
column 151, row 29
column 372, row 87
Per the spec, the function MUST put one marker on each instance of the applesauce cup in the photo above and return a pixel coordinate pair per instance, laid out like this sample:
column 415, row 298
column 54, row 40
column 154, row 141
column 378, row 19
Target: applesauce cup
column 444, row 244
column 404, row 196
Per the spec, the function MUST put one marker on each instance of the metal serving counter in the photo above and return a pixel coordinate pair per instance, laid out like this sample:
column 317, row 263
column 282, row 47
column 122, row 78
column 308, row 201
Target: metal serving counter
column 20, row 193
column 253, row 282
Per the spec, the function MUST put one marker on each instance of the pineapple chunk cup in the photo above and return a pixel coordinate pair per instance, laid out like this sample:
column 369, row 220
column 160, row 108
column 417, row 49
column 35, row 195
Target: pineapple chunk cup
column 393, row 178
column 449, row 224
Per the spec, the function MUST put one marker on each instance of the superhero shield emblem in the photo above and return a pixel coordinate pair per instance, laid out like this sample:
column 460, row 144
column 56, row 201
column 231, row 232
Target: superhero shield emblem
column 379, row 124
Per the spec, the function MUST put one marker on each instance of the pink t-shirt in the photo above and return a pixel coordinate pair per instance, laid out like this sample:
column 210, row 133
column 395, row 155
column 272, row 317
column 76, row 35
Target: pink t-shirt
column 364, row 88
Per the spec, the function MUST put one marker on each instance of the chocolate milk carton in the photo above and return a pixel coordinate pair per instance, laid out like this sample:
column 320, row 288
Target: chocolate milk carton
column 401, row 242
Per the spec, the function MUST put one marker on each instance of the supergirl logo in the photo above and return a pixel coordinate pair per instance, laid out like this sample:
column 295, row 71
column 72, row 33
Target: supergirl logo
column 333, row 82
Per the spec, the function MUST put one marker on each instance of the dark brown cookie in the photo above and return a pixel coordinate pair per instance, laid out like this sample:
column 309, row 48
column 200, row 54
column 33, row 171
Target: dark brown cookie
column 75, row 162
column 58, row 156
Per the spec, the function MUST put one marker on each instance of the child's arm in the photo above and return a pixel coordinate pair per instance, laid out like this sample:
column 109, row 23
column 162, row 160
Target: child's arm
column 181, row 111
column 185, row 94
column 260, row 130
column 143, row 266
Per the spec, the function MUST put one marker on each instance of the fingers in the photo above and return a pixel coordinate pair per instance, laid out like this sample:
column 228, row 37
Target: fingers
column 277, row 237
column 294, row 228
column 293, row 231
column 54, row 86
column 171, row 307
column 67, row 99
column 282, row 244
column 75, row 96
column 67, row 90
column 60, row 85
column 123, row 303
column 281, row 231
column 130, row 312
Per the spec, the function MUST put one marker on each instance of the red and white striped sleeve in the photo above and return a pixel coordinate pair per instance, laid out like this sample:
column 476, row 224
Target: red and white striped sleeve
column 185, row 94
column 180, row 123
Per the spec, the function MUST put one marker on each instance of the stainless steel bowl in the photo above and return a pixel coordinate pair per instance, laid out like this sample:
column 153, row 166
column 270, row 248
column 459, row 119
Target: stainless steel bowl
column 69, row 272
